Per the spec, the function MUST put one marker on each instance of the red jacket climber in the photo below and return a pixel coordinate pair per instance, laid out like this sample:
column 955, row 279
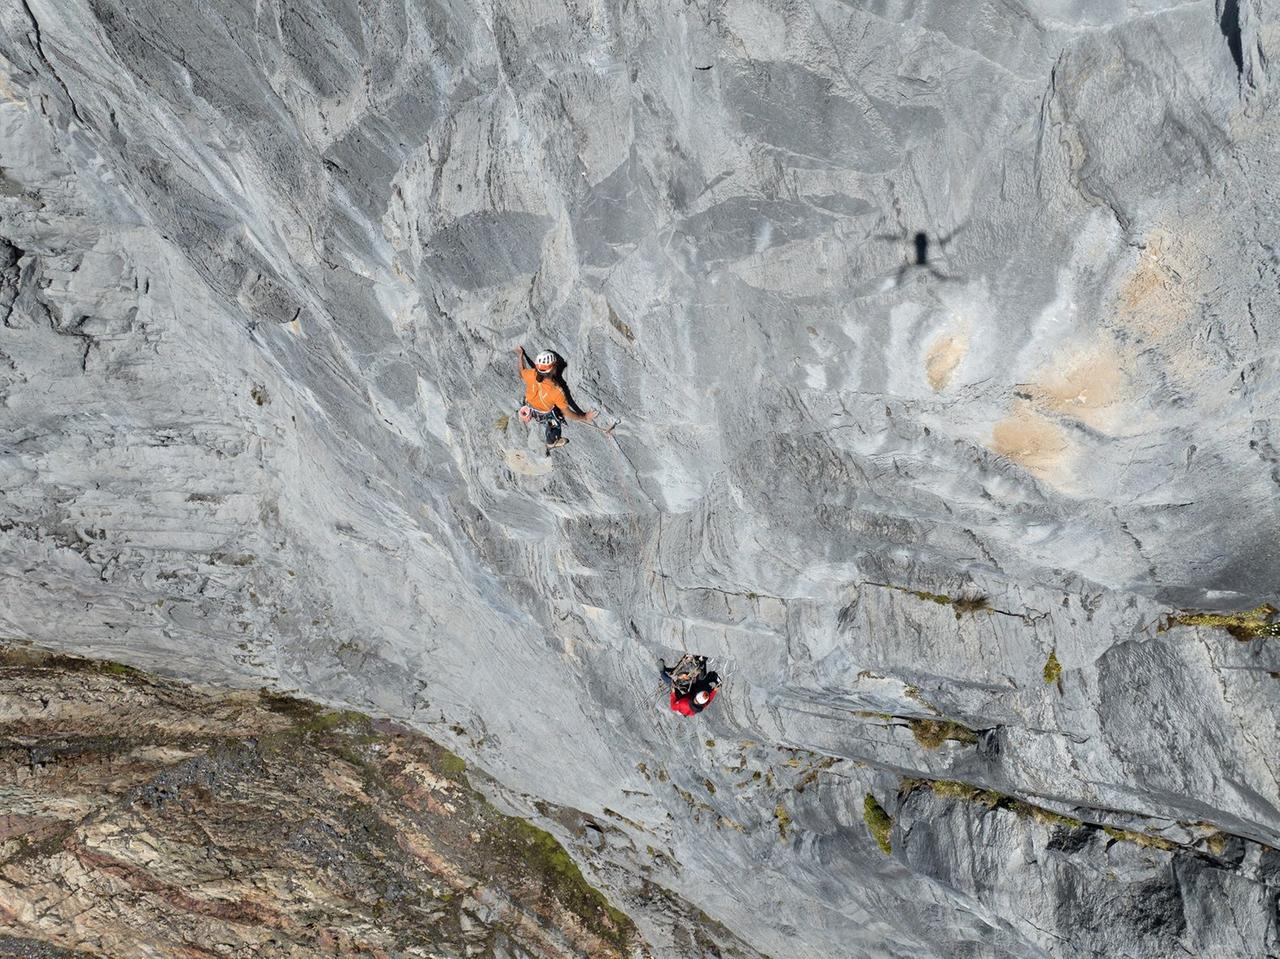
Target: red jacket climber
column 693, row 703
column 692, row 687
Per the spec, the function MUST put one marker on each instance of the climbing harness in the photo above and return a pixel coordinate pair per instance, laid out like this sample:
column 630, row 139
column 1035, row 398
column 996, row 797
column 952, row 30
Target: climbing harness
column 551, row 421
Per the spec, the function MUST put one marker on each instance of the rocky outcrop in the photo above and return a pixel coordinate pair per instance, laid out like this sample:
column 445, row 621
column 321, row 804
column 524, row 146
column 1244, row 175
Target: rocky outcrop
column 146, row 817
column 1110, row 891
column 943, row 339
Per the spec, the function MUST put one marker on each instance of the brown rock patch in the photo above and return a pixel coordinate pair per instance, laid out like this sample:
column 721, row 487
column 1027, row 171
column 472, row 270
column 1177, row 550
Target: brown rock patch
column 1086, row 386
column 1033, row 442
column 943, row 357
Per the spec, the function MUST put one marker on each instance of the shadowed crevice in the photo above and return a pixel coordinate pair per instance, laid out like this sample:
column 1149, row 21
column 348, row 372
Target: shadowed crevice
column 1229, row 24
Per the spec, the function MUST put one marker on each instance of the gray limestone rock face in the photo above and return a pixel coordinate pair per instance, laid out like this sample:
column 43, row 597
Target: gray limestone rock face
column 942, row 340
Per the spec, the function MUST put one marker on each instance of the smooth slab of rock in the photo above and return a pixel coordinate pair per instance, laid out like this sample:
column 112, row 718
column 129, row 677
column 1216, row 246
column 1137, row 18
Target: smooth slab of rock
column 943, row 339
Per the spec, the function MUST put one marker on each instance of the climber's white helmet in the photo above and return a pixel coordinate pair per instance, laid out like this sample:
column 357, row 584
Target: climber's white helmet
column 545, row 361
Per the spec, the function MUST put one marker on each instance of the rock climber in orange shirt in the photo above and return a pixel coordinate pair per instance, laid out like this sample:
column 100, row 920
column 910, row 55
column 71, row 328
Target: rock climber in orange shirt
column 546, row 395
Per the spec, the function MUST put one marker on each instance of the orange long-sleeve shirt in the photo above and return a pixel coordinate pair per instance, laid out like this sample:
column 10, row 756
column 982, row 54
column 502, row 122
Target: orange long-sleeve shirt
column 543, row 396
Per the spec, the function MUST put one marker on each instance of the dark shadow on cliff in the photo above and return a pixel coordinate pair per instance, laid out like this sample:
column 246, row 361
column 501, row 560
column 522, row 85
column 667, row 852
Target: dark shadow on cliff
column 1229, row 24
column 920, row 243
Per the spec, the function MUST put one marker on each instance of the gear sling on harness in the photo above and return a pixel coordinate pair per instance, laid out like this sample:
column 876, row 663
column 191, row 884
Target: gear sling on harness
column 550, row 420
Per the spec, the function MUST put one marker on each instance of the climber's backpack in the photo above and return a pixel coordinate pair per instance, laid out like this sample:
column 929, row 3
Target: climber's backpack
column 686, row 672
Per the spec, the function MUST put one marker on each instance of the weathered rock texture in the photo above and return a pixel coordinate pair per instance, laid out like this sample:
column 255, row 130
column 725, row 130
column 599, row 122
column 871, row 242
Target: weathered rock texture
column 263, row 268
column 142, row 817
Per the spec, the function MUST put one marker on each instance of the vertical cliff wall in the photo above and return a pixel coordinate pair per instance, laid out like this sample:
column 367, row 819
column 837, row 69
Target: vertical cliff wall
column 943, row 339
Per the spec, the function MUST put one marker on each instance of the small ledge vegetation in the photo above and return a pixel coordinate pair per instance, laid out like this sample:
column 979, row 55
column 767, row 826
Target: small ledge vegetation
column 878, row 823
column 1256, row 623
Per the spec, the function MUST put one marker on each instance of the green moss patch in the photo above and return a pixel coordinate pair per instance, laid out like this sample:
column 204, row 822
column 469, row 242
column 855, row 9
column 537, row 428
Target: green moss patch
column 117, row 669
column 1251, row 624
column 1140, row 838
column 929, row 733
column 1047, row 817
column 960, row 605
column 298, row 710
column 328, row 719
column 932, row 733
column 783, row 818
column 546, row 860
column 18, row 653
column 952, row 789
column 913, row 692
column 1216, row 842
column 815, row 771
column 878, row 823
column 1052, row 668
column 455, row 767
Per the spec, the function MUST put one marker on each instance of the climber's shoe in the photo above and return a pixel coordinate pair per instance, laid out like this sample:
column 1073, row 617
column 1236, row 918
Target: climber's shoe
column 558, row 442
